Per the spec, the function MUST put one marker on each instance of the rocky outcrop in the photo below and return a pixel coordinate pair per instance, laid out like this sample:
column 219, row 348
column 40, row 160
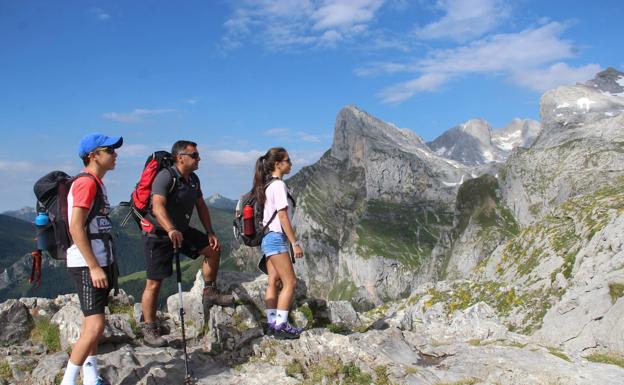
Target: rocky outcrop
column 475, row 142
column 16, row 323
column 428, row 338
column 578, row 151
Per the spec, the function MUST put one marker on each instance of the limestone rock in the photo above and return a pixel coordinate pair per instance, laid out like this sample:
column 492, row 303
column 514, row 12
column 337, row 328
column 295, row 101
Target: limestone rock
column 16, row 322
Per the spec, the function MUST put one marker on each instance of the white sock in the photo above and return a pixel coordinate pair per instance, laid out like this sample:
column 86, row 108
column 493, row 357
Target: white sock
column 89, row 371
column 271, row 314
column 71, row 373
column 282, row 317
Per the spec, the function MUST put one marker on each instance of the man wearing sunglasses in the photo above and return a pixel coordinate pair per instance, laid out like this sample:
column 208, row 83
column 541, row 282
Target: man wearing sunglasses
column 176, row 192
column 91, row 259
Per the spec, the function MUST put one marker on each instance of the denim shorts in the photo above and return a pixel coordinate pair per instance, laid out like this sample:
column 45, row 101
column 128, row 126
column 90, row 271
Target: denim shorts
column 274, row 243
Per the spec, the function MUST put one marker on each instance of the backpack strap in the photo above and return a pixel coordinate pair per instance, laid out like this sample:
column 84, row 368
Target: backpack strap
column 98, row 201
column 271, row 180
column 174, row 180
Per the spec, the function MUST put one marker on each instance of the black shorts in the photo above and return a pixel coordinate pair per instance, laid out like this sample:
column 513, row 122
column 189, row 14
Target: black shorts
column 159, row 252
column 93, row 300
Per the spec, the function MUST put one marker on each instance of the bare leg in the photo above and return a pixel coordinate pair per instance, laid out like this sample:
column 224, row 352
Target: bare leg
column 149, row 300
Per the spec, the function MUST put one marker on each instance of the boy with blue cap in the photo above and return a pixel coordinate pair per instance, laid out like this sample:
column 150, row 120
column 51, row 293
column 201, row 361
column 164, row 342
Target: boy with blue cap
column 90, row 259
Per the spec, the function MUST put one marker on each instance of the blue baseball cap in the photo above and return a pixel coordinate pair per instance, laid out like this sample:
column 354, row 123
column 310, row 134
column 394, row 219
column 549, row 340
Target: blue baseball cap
column 93, row 141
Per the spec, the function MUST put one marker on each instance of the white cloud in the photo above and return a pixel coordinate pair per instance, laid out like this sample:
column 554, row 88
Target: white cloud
column 522, row 57
column 400, row 92
column 284, row 24
column 305, row 137
column 193, row 100
column 528, row 48
column 345, row 13
column 235, row 158
column 17, row 166
column 556, row 75
column 135, row 116
column 100, row 14
column 465, row 19
column 277, row 132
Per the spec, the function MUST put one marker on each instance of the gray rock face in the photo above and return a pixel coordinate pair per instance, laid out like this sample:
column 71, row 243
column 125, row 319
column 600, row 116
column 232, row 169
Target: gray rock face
column 16, row 323
column 610, row 81
column 469, row 143
column 518, row 133
column 578, row 151
column 341, row 313
column 475, row 142
column 49, row 368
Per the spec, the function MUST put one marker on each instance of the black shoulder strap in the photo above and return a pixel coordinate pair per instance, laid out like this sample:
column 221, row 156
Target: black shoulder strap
column 174, row 180
column 98, row 201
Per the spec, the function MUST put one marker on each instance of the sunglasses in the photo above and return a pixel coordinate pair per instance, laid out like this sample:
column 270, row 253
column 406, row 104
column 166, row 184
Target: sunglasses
column 108, row 150
column 287, row 161
column 193, row 155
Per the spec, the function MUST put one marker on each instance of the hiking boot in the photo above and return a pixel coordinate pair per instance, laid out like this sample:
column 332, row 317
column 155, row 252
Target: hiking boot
column 151, row 335
column 100, row 381
column 270, row 328
column 212, row 296
column 286, row 331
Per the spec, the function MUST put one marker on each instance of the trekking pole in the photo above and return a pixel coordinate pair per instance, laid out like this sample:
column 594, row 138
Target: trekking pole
column 176, row 254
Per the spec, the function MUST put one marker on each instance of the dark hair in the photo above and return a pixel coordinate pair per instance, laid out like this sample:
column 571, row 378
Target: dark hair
column 265, row 165
column 86, row 160
column 180, row 146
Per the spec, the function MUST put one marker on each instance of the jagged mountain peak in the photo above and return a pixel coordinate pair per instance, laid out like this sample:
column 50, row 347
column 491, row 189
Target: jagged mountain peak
column 474, row 142
column 477, row 128
column 593, row 109
column 219, row 201
column 610, row 81
column 518, row 133
column 356, row 127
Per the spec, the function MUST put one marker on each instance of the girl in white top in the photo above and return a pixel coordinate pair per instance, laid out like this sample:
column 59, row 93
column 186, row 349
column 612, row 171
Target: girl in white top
column 269, row 170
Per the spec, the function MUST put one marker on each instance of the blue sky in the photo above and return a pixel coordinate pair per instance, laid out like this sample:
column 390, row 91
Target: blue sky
column 241, row 76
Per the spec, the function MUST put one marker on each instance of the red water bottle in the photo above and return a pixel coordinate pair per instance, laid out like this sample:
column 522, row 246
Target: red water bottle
column 248, row 221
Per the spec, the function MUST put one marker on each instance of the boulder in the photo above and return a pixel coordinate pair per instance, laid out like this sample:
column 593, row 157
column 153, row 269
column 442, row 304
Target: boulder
column 16, row 323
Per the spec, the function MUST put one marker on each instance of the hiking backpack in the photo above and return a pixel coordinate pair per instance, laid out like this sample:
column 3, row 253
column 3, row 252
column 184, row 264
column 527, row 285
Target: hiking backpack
column 140, row 199
column 249, row 204
column 51, row 191
column 53, row 236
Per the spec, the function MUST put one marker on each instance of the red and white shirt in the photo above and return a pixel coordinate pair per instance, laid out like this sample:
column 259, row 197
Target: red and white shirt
column 82, row 194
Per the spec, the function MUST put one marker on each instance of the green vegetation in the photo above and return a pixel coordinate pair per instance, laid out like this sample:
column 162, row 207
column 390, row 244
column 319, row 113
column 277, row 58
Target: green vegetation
column 333, row 371
column 558, row 353
column 6, row 374
column 470, row 381
column 338, row 329
column 607, row 358
column 401, row 232
column 562, row 233
column 381, row 372
column 294, row 368
column 128, row 310
column 46, row 333
column 499, row 296
column 616, row 290
column 344, row 290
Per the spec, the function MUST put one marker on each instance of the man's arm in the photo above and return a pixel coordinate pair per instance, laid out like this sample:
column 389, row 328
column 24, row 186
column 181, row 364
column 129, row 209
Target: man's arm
column 80, row 238
column 160, row 212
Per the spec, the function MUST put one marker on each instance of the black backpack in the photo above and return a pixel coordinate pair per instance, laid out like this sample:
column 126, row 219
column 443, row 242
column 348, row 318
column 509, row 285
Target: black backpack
column 51, row 191
column 249, row 200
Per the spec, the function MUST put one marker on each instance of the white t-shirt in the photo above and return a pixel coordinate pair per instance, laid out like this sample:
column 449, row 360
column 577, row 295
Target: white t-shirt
column 276, row 199
column 82, row 194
